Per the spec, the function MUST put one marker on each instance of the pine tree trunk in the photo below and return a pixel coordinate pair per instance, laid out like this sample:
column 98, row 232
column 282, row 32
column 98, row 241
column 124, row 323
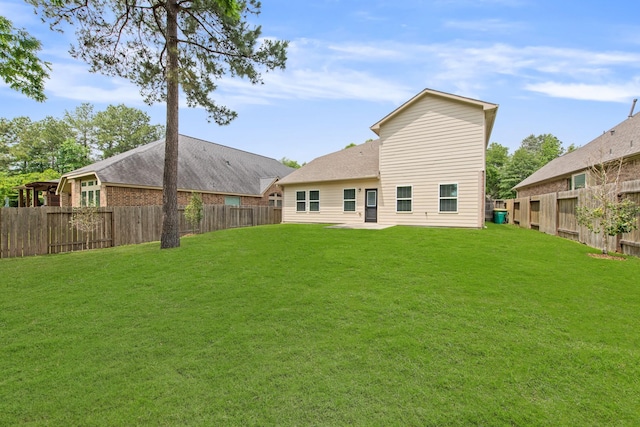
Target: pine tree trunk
column 170, row 226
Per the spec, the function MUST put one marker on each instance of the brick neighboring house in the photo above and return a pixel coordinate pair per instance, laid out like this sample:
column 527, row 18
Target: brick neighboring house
column 223, row 175
column 571, row 171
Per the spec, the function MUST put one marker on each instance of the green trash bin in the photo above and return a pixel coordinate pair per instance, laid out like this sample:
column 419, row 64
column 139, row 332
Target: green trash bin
column 500, row 216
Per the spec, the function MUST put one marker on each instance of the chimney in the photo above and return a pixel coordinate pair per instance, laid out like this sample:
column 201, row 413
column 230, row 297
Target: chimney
column 633, row 105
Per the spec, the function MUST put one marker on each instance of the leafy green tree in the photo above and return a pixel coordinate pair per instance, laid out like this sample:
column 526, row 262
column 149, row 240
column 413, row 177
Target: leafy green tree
column 533, row 153
column 11, row 132
column 520, row 165
column 291, row 163
column 71, row 156
column 18, row 134
column 193, row 211
column 20, row 66
column 38, row 143
column 545, row 147
column 67, row 144
column 6, row 130
column 82, row 122
column 497, row 156
column 32, row 146
column 120, row 128
column 52, row 135
column 550, row 148
column 163, row 46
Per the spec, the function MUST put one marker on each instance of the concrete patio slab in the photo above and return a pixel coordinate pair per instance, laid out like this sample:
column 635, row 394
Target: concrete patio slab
column 362, row 226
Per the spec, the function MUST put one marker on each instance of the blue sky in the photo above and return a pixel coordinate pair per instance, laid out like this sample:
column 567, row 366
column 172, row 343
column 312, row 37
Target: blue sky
column 570, row 68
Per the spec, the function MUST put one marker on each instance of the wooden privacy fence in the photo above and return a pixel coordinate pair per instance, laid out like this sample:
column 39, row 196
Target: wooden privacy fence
column 555, row 213
column 46, row 230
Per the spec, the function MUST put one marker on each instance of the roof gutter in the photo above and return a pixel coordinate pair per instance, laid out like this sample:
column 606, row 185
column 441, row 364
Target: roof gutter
column 360, row 178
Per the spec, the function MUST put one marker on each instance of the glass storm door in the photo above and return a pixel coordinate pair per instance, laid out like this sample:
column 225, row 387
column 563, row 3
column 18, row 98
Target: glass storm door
column 371, row 206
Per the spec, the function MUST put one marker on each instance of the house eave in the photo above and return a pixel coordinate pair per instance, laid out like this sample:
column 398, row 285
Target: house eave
column 321, row 181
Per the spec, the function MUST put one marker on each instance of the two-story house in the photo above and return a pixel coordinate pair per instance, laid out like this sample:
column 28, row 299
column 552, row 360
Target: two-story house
column 426, row 168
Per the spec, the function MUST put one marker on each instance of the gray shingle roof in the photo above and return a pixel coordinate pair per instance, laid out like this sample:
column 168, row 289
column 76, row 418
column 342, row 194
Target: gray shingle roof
column 623, row 140
column 202, row 166
column 356, row 162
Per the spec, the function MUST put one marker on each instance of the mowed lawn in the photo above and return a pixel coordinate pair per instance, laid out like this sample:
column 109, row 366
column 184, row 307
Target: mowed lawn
column 304, row 325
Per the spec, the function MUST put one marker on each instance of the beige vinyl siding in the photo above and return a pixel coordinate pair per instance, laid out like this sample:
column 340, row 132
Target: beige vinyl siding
column 331, row 202
column 434, row 141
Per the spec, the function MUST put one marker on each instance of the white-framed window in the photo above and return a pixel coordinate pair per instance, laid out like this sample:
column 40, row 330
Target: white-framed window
column 349, row 199
column 275, row 200
column 314, row 201
column 578, row 181
column 448, row 198
column 301, row 201
column 89, row 193
column 404, row 198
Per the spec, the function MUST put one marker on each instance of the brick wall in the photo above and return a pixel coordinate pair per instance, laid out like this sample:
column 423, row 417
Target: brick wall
column 127, row 196
column 75, row 192
column 65, row 199
column 630, row 170
column 548, row 187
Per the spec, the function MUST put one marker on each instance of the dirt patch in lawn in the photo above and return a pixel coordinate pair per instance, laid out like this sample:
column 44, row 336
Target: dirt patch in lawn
column 605, row 256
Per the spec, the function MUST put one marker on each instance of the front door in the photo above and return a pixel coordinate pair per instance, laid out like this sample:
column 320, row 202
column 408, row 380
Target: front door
column 371, row 206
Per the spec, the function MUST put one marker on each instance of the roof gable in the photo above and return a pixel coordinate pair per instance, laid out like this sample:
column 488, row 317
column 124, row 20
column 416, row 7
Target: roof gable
column 621, row 141
column 202, row 166
column 489, row 109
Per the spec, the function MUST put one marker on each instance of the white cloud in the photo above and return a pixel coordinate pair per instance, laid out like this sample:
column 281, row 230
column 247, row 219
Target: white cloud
column 72, row 81
column 485, row 26
column 483, row 3
column 318, row 84
column 392, row 72
column 614, row 92
column 364, row 15
column 360, row 52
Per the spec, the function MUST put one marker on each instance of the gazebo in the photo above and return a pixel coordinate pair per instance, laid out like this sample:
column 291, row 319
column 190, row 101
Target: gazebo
column 29, row 194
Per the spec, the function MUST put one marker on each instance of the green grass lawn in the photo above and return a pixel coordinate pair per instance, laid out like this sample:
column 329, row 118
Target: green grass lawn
column 303, row 325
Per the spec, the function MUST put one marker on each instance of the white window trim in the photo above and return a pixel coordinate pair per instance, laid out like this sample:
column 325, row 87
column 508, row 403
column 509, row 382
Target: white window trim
column 354, row 200
column 573, row 180
column 405, row 198
column 314, row 201
column 95, row 186
column 301, row 201
column 457, row 198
